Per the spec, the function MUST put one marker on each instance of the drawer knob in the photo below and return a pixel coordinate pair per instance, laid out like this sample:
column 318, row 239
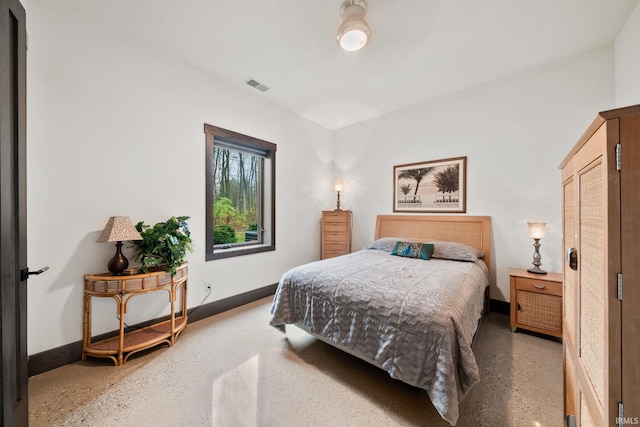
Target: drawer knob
column 538, row 286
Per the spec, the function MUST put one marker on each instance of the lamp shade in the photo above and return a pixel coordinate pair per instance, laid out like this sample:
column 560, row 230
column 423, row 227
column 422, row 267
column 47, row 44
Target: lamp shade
column 537, row 230
column 118, row 229
column 354, row 32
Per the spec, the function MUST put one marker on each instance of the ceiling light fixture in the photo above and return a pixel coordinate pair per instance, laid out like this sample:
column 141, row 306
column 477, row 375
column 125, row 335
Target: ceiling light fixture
column 354, row 32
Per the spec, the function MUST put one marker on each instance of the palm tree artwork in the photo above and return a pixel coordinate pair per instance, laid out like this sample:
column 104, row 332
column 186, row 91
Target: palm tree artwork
column 405, row 188
column 417, row 175
column 431, row 186
column 448, row 181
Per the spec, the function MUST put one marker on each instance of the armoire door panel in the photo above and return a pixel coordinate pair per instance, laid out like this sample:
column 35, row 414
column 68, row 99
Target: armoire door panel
column 570, row 276
column 592, row 220
column 570, row 391
column 584, row 222
column 601, row 199
column 586, row 416
column 630, row 256
column 570, row 296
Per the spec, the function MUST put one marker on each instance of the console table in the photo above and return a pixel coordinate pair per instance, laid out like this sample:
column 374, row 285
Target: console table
column 122, row 288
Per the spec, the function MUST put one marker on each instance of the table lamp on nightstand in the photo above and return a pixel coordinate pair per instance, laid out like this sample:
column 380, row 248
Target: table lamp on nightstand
column 118, row 228
column 537, row 230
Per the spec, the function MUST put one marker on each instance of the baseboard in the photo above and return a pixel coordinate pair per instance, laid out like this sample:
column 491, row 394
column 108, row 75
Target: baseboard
column 203, row 311
column 70, row 353
column 500, row 307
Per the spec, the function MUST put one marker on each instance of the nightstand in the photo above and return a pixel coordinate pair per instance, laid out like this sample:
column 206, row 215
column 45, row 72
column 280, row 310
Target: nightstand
column 536, row 302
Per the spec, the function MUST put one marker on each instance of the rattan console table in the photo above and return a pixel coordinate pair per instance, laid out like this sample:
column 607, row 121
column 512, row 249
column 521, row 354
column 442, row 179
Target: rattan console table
column 122, row 288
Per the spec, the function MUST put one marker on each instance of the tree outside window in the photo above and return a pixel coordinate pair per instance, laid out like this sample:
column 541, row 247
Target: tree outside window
column 240, row 194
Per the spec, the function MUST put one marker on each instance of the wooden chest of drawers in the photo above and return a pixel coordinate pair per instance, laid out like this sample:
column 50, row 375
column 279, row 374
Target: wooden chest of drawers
column 336, row 233
column 536, row 302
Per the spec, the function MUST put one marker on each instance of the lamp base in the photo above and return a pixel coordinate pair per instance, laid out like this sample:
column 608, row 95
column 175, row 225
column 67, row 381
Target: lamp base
column 536, row 270
column 119, row 262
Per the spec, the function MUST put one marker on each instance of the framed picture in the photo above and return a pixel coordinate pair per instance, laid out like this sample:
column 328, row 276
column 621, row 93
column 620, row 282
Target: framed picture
column 432, row 186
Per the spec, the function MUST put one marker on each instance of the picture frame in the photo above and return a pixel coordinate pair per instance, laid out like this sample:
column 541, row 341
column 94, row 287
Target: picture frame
column 433, row 186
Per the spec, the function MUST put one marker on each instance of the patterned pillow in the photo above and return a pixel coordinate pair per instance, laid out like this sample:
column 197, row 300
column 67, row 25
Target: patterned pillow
column 412, row 250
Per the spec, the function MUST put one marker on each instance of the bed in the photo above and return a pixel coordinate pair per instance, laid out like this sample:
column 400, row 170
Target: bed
column 410, row 309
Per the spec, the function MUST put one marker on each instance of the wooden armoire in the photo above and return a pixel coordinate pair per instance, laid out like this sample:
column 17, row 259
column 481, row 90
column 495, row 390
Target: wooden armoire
column 601, row 235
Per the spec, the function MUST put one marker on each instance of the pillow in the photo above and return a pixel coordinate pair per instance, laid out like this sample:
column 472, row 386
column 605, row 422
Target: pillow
column 412, row 250
column 384, row 244
column 442, row 249
column 455, row 251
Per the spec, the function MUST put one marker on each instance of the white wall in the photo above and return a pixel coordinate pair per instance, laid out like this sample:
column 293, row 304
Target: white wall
column 116, row 128
column 514, row 131
column 627, row 62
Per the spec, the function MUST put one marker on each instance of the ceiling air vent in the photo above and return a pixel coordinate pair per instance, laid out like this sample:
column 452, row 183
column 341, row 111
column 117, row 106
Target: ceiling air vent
column 256, row 84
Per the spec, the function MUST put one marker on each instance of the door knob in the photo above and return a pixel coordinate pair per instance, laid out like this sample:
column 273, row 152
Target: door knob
column 25, row 273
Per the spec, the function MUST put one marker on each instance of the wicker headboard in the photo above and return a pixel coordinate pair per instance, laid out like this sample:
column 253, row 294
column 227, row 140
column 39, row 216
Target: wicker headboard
column 474, row 231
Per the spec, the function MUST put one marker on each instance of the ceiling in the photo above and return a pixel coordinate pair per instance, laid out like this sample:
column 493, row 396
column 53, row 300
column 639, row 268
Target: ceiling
column 419, row 49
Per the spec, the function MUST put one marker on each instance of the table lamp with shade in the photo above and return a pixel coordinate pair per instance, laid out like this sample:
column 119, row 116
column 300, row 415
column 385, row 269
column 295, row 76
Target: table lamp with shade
column 537, row 230
column 338, row 190
column 118, row 229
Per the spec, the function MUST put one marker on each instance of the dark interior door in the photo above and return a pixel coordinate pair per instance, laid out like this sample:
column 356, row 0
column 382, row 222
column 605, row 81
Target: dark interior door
column 13, row 224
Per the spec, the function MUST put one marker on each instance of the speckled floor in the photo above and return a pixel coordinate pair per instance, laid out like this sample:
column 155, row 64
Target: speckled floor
column 234, row 370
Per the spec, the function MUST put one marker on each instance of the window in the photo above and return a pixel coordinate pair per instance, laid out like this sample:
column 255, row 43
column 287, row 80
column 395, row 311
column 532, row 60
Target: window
column 241, row 177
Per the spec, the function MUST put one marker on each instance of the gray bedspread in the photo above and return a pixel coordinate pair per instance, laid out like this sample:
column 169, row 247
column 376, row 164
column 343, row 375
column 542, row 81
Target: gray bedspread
column 413, row 318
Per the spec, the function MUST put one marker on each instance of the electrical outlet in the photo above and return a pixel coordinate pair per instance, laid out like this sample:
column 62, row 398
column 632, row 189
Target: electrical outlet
column 207, row 286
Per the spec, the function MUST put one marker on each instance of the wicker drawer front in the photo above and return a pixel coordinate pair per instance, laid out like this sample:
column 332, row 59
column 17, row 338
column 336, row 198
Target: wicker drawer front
column 539, row 286
column 335, row 237
column 335, row 227
column 337, row 216
column 539, row 310
column 331, row 254
column 336, row 246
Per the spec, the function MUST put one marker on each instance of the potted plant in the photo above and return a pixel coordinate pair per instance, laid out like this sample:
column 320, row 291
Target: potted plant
column 163, row 246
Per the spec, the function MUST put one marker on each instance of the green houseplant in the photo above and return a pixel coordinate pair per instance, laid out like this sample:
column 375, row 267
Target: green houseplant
column 163, row 246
